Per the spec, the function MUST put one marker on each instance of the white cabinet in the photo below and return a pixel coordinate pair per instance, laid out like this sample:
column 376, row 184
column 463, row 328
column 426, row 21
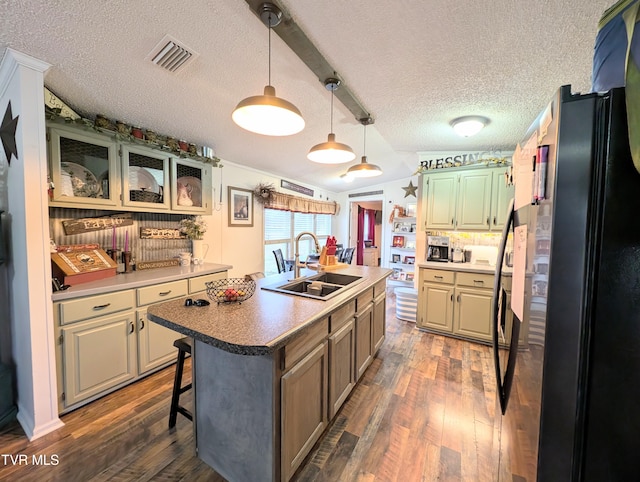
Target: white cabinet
column 466, row 200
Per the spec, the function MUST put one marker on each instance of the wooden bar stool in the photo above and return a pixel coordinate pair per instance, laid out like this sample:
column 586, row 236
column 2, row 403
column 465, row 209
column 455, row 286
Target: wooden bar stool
column 184, row 346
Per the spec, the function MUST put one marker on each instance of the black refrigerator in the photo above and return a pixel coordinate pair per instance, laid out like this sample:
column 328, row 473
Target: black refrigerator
column 568, row 364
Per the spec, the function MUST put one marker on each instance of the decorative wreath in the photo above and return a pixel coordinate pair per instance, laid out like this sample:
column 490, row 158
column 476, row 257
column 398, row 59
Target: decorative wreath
column 263, row 192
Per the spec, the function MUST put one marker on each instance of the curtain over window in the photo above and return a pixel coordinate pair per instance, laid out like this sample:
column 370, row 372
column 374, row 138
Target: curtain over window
column 286, row 202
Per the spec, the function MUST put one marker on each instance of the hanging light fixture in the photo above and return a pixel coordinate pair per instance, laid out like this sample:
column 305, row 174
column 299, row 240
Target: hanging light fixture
column 364, row 169
column 469, row 125
column 331, row 152
column 268, row 114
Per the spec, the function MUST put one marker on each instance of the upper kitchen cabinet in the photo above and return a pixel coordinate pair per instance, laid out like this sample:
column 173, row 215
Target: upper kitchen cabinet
column 466, row 200
column 145, row 178
column 190, row 186
column 474, row 201
column 441, row 190
column 93, row 169
column 84, row 168
column 503, row 192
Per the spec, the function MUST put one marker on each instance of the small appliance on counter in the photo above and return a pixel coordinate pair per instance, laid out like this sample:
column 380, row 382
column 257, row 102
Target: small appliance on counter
column 438, row 248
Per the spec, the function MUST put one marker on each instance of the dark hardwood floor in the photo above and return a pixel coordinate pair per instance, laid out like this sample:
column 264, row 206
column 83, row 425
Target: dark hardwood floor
column 423, row 411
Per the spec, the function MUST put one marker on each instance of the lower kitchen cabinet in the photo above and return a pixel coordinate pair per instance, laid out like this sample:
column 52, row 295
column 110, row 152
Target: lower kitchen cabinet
column 105, row 341
column 98, row 355
column 304, row 410
column 456, row 303
column 341, row 366
column 364, row 352
column 379, row 320
column 155, row 344
column 472, row 313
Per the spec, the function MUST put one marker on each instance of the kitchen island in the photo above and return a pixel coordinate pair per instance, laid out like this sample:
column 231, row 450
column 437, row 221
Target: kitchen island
column 270, row 373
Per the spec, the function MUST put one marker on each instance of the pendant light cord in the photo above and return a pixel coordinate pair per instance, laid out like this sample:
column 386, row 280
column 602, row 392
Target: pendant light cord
column 269, row 48
column 364, row 146
column 332, row 92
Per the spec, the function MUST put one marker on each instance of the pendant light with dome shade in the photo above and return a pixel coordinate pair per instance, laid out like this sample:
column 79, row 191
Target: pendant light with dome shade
column 364, row 169
column 268, row 114
column 331, row 152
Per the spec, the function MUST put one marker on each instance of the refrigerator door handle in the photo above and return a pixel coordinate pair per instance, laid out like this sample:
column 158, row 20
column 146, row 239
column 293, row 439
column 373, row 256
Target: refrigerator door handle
column 497, row 291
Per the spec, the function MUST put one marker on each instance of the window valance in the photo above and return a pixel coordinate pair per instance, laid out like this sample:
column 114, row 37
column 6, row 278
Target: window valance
column 287, row 202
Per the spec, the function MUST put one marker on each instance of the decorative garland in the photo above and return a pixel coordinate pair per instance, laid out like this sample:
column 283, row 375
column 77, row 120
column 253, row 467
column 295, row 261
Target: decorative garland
column 146, row 137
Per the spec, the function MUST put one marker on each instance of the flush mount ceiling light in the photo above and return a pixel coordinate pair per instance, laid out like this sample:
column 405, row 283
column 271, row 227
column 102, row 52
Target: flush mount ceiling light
column 331, row 152
column 469, row 125
column 364, row 169
column 267, row 114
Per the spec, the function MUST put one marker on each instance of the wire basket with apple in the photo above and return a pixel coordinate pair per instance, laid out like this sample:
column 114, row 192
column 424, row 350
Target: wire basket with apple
column 230, row 290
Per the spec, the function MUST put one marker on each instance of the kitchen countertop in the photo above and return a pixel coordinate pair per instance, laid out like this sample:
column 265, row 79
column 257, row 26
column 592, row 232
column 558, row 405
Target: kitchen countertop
column 264, row 322
column 467, row 267
column 136, row 279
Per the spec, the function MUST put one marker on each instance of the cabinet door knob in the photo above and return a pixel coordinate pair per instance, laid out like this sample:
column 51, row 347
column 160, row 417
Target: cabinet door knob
column 488, row 221
column 458, row 298
column 494, row 221
column 438, row 277
column 451, row 296
column 131, row 327
column 142, row 323
column 101, row 307
column 164, row 293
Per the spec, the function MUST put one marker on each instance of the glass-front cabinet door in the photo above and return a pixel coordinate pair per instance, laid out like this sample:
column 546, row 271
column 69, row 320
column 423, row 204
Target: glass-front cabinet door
column 83, row 168
column 190, row 186
column 145, row 178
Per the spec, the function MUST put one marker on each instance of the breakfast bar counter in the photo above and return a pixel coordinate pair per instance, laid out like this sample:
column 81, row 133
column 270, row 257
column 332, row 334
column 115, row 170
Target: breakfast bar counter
column 264, row 322
column 270, row 373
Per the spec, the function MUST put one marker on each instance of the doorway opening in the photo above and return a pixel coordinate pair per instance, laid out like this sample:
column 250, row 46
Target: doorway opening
column 365, row 231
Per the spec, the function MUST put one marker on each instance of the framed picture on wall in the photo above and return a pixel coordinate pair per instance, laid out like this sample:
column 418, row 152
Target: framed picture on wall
column 395, row 258
column 409, row 260
column 411, row 210
column 240, row 207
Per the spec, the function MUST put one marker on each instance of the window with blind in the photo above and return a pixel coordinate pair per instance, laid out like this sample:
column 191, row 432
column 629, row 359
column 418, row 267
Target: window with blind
column 281, row 229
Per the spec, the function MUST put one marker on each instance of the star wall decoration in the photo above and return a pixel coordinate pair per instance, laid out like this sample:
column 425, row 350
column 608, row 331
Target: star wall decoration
column 8, row 134
column 410, row 190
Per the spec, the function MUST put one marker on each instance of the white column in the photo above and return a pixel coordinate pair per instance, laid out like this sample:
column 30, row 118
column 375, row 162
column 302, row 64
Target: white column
column 29, row 262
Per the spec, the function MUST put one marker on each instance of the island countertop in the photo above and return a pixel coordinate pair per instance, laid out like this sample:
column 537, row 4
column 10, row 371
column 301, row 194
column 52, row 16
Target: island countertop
column 136, row 279
column 264, row 322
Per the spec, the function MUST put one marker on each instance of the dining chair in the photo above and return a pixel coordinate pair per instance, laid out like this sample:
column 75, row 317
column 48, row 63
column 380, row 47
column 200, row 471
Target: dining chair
column 347, row 255
column 279, row 260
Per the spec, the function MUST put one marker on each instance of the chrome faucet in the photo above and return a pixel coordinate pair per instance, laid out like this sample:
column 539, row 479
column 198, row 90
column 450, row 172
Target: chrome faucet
column 296, row 266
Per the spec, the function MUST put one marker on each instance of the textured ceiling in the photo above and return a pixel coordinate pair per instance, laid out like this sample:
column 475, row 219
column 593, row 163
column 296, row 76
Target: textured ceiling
column 414, row 67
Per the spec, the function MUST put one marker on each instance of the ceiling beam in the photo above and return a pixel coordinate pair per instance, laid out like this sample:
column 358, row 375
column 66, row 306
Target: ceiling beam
column 297, row 41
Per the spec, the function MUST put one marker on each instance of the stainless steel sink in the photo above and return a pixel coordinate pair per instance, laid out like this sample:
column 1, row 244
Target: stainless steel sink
column 324, row 285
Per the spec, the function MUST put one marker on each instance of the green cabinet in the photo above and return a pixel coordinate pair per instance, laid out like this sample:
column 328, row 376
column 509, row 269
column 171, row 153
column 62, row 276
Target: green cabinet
column 106, row 341
column 503, row 192
column 456, row 303
column 97, row 170
column 466, row 200
column 441, row 191
column 98, row 355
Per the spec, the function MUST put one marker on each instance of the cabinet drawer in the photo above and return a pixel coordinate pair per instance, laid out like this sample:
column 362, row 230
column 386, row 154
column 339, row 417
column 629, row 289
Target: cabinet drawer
column 364, row 299
column 438, row 276
column 342, row 316
column 380, row 287
column 162, row 292
column 305, row 342
column 475, row 280
column 198, row 283
column 92, row 306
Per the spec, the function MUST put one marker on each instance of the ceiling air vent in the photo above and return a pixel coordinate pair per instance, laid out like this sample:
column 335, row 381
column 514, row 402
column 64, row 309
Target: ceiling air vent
column 171, row 54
